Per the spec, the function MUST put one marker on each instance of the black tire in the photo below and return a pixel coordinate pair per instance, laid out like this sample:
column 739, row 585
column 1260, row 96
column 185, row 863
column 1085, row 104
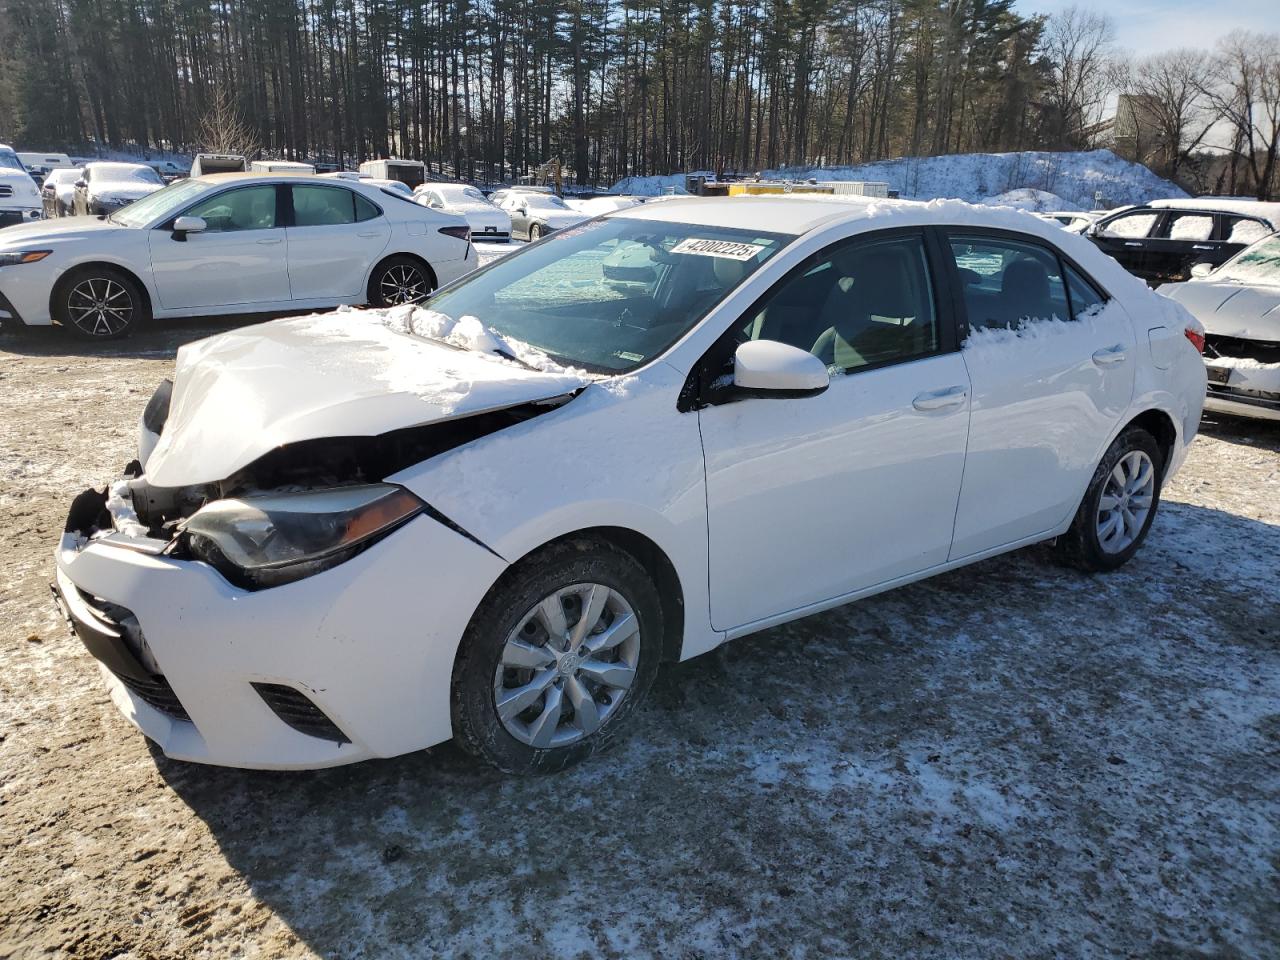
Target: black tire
column 1081, row 546
column 398, row 280
column 128, row 307
column 535, row 233
column 476, row 723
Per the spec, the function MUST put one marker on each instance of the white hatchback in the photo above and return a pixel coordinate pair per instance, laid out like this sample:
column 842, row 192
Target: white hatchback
column 229, row 244
column 492, row 516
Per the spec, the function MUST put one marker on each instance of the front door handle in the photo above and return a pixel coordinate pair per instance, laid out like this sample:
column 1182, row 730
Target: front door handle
column 1133, row 243
column 269, row 242
column 1109, row 355
column 1202, row 246
column 939, row 399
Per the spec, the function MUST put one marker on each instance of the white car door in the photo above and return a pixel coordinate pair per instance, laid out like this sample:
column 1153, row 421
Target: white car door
column 810, row 499
column 240, row 258
column 1045, row 401
column 334, row 239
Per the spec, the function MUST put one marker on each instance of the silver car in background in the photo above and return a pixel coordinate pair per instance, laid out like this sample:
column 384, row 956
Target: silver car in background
column 1239, row 306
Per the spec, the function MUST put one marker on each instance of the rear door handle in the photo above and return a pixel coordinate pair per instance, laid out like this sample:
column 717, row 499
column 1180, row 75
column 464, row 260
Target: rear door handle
column 1109, row 355
column 1202, row 246
column 939, row 399
column 1133, row 243
column 267, row 243
column 370, row 235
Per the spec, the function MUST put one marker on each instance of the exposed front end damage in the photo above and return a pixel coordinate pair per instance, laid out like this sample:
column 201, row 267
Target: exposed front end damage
column 1244, row 376
column 224, row 659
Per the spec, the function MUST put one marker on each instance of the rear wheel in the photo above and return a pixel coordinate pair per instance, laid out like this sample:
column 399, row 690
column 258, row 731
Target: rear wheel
column 556, row 658
column 100, row 303
column 1119, row 506
column 535, row 232
column 400, row 280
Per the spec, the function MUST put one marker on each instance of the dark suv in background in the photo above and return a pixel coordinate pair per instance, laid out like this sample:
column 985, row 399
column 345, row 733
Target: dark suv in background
column 1161, row 241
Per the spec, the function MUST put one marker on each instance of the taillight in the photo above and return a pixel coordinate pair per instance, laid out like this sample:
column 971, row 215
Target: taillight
column 461, row 233
column 1196, row 338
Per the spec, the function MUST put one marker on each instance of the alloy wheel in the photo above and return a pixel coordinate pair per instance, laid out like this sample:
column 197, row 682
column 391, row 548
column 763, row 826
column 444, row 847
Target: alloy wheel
column 567, row 666
column 402, row 283
column 1126, row 501
column 100, row 307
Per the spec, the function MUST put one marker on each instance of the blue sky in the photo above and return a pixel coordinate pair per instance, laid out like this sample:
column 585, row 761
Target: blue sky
column 1145, row 26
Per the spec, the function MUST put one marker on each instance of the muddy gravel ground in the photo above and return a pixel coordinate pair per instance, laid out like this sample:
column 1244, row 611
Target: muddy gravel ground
column 1013, row 760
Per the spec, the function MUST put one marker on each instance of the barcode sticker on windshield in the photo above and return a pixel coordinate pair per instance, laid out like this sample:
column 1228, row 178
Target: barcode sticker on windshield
column 718, row 248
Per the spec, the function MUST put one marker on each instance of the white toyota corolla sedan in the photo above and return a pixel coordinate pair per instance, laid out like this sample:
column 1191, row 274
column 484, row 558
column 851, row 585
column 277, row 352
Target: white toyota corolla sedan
column 229, row 244
column 492, row 516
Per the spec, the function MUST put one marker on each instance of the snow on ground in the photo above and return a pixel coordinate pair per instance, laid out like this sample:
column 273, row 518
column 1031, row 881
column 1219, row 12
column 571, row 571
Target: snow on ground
column 1074, row 177
column 1010, row 760
column 1030, row 199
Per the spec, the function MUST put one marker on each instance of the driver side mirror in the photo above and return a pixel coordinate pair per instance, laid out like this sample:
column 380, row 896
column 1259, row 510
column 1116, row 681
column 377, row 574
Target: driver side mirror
column 1201, row 269
column 767, row 368
column 185, row 225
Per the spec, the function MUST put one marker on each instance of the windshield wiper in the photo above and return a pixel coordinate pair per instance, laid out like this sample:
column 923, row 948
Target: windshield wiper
column 508, row 355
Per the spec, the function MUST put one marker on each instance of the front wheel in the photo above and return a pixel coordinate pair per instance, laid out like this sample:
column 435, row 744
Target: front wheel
column 556, row 658
column 99, row 303
column 1119, row 506
column 399, row 280
column 535, row 233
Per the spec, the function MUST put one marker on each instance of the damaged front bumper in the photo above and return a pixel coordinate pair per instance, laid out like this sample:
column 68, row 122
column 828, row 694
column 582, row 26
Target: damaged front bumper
column 351, row 663
column 1244, row 377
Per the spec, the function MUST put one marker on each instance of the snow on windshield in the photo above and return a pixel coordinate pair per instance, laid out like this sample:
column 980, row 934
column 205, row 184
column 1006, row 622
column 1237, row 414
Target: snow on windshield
column 10, row 161
column 130, row 172
column 1259, row 264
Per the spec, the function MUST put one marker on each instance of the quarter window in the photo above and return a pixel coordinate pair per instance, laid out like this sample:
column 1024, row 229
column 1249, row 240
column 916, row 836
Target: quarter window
column 1242, row 230
column 1008, row 281
column 245, row 208
column 862, row 303
column 1084, row 295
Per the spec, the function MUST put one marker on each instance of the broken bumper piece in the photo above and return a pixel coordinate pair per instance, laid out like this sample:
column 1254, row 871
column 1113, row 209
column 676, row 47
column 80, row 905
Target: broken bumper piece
column 342, row 666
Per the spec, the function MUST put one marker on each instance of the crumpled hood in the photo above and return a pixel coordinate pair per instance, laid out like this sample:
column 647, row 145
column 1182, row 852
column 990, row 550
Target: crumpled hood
column 239, row 395
column 1231, row 309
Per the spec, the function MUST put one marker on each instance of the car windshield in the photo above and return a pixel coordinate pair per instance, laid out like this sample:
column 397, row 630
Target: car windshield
column 125, row 171
column 610, row 295
column 458, row 194
column 1259, row 264
column 543, row 201
column 10, row 161
column 162, row 204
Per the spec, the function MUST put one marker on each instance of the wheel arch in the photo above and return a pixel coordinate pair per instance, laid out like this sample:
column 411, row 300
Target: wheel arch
column 1159, row 423
column 418, row 258
column 68, row 275
column 655, row 560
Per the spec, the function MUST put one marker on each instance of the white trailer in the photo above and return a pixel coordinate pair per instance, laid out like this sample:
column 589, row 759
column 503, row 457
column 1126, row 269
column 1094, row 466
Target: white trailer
column 281, row 166
column 413, row 173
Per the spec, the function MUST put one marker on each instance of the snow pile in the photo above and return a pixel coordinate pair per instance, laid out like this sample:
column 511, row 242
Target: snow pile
column 1074, row 177
column 1031, row 200
column 469, row 333
column 1248, row 208
column 123, row 517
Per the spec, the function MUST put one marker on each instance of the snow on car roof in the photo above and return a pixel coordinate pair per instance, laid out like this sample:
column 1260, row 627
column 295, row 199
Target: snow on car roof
column 1249, row 208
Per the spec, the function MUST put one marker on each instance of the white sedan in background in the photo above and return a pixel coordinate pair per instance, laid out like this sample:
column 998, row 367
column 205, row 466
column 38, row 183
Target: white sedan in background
column 488, row 221
column 229, row 243
column 492, row 516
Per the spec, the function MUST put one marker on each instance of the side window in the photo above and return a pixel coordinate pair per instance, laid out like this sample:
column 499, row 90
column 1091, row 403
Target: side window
column 365, row 209
column 860, row 303
column 1243, row 230
column 1008, row 281
column 1084, row 295
column 1136, row 224
column 245, row 208
column 322, row 206
column 1188, row 226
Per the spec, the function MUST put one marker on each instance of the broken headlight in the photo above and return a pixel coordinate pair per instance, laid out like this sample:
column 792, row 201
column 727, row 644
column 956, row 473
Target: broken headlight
column 264, row 541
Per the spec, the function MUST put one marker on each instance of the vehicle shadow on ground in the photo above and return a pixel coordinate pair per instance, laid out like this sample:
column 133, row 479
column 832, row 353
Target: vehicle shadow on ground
column 972, row 750
column 156, row 341
column 1245, row 430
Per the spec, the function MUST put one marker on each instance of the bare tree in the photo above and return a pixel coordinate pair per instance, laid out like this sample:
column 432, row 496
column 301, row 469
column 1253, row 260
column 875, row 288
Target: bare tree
column 1244, row 89
column 223, row 129
column 1170, row 90
column 1077, row 45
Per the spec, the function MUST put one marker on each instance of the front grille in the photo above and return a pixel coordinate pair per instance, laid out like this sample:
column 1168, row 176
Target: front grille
column 6, row 190
column 1263, row 351
column 156, row 692
column 294, row 708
